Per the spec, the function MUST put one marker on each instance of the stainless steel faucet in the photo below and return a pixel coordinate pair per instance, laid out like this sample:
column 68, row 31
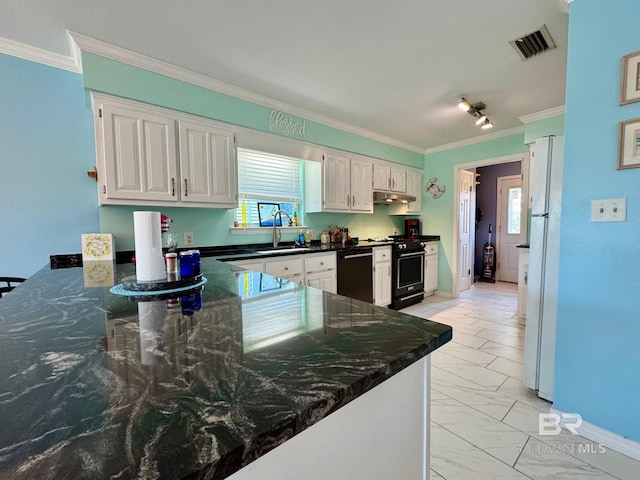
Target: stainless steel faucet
column 277, row 234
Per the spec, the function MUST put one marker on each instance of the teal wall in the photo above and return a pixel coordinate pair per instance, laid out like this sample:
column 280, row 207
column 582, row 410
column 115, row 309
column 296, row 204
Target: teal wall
column 47, row 146
column 597, row 354
column 543, row 128
column 211, row 227
column 437, row 213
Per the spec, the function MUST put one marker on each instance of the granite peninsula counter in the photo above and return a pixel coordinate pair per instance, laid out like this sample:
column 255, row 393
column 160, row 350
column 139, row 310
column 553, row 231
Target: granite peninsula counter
column 93, row 385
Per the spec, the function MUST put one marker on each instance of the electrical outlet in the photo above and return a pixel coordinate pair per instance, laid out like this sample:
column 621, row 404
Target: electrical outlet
column 189, row 239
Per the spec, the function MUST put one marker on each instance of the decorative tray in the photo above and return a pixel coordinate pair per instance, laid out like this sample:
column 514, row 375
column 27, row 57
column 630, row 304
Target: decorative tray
column 131, row 283
column 172, row 290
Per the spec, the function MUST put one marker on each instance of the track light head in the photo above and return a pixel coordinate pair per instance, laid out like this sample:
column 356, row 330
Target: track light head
column 475, row 110
column 464, row 104
column 481, row 119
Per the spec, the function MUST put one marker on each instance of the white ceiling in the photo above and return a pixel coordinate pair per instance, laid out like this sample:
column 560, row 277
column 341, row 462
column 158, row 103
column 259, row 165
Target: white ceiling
column 395, row 68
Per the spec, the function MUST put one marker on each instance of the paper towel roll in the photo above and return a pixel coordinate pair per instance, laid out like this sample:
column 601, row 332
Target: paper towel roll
column 148, row 243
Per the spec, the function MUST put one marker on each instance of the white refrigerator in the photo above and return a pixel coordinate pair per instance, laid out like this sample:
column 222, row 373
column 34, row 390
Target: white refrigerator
column 544, row 252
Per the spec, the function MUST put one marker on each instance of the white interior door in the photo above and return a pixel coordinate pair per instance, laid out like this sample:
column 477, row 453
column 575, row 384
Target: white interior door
column 508, row 231
column 465, row 244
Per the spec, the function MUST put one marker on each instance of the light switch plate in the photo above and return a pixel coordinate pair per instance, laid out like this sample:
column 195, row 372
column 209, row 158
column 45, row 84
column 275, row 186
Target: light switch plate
column 609, row 210
column 188, row 239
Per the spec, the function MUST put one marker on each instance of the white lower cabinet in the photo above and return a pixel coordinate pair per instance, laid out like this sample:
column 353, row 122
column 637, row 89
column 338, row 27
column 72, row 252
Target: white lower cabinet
column 431, row 268
column 320, row 271
column 253, row 265
column 290, row 269
column 382, row 276
column 314, row 269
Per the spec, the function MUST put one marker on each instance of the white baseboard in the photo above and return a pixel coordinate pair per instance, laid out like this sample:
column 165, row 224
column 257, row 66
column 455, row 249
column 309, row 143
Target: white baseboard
column 616, row 442
column 440, row 293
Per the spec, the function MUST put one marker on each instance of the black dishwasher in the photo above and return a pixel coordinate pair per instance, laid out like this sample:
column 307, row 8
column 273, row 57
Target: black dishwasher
column 355, row 273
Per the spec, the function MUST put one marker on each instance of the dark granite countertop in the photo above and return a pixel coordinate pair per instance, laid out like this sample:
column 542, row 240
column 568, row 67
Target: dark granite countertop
column 237, row 252
column 93, row 385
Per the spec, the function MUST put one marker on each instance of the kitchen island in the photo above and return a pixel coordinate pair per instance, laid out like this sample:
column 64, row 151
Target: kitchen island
column 251, row 372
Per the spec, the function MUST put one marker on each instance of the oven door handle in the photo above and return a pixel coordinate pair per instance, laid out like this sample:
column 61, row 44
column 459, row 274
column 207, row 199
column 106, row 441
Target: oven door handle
column 402, row 255
column 347, row 257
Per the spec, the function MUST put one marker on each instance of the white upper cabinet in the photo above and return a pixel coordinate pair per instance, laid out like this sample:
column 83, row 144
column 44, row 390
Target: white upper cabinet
column 336, row 183
column 152, row 156
column 207, row 164
column 389, row 179
column 361, row 191
column 414, row 187
column 139, row 159
column 339, row 184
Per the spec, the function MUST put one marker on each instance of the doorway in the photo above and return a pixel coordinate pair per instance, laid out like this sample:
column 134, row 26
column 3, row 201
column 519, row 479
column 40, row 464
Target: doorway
column 508, row 227
column 465, row 230
column 481, row 229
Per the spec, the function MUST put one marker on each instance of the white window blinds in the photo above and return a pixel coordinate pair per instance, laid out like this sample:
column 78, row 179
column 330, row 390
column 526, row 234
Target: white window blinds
column 264, row 176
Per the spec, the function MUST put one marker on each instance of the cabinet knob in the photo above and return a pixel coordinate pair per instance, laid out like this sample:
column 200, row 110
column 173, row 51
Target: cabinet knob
column 286, row 268
column 321, row 263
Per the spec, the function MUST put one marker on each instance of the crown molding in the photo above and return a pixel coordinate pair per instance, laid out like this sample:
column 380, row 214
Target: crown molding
column 38, row 55
column 123, row 55
column 544, row 114
column 474, row 140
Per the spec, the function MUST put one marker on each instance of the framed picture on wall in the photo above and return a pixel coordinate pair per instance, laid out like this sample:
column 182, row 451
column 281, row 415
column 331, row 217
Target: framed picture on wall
column 630, row 89
column 629, row 144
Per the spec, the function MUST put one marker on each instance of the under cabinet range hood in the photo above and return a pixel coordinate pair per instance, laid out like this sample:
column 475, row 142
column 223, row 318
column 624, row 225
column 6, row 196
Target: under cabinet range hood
column 387, row 198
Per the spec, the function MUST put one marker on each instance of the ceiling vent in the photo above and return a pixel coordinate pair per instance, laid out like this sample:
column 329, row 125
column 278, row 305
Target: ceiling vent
column 533, row 43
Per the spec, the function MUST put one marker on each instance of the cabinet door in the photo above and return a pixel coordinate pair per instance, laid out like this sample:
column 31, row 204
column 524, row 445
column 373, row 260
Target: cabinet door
column 285, row 268
column 430, row 274
column 414, row 187
column 207, row 164
column 381, row 177
column 139, row 151
column 398, row 180
column 361, row 190
column 336, row 182
column 323, row 280
column 382, row 284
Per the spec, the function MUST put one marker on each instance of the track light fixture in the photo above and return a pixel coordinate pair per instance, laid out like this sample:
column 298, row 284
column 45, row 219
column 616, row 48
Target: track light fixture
column 475, row 110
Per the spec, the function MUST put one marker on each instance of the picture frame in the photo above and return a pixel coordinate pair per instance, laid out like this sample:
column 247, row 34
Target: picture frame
column 630, row 84
column 266, row 212
column 629, row 144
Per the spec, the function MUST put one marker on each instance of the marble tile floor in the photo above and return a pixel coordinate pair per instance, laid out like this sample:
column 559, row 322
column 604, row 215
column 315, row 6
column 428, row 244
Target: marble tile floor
column 484, row 422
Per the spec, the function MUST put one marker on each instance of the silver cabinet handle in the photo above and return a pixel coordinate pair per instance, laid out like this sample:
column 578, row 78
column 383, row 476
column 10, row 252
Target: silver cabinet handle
column 353, row 200
column 173, row 187
column 348, row 200
column 185, row 188
column 347, row 257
